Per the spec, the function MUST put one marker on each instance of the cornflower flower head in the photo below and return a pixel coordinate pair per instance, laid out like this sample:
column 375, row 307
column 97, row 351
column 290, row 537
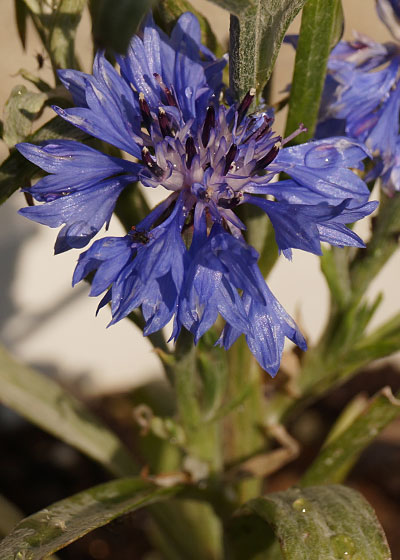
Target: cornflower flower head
column 188, row 260
column 363, row 83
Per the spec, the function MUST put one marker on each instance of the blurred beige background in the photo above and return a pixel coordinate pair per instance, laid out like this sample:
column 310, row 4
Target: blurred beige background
column 51, row 326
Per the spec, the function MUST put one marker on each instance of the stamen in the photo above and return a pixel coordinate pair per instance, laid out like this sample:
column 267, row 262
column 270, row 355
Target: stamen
column 163, row 122
column 230, row 156
column 266, row 160
column 245, row 104
column 190, row 151
column 258, row 133
column 145, row 110
column 301, row 129
column 151, row 164
column 209, row 123
column 168, row 94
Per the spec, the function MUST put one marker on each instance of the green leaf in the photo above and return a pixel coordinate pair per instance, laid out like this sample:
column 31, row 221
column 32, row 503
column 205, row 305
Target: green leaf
column 21, row 109
column 114, row 23
column 329, row 522
column 382, row 342
column 43, row 402
column 21, row 14
column 62, row 35
column 16, row 171
column 66, row 521
column 319, row 30
column 247, row 538
column 257, row 31
column 339, row 455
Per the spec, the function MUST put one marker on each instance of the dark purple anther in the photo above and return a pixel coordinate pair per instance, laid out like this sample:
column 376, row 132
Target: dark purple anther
column 168, row 94
column 245, row 104
column 261, row 131
column 145, row 110
column 209, row 123
column 190, row 151
column 163, row 122
column 266, row 160
column 151, row 164
column 230, row 156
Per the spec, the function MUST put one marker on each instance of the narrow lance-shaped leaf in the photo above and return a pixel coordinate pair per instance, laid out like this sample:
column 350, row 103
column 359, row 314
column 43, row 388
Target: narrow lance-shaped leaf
column 339, row 455
column 330, row 522
column 43, row 402
column 257, row 31
column 62, row 36
column 319, row 30
column 21, row 14
column 66, row 521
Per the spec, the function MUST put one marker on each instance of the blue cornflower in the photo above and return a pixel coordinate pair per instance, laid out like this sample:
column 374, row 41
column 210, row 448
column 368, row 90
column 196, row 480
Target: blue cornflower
column 362, row 96
column 187, row 261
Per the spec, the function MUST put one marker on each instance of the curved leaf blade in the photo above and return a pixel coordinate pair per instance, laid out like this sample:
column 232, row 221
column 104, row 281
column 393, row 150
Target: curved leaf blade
column 20, row 111
column 66, row 521
column 329, row 522
column 342, row 451
column 44, row 403
column 62, row 36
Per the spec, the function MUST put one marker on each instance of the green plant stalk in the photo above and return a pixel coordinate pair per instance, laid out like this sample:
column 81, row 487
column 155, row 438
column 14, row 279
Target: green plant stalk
column 243, row 425
column 384, row 242
column 202, row 440
column 318, row 28
column 343, row 349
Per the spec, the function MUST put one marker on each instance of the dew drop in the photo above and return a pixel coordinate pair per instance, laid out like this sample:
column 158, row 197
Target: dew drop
column 343, row 547
column 300, row 505
column 322, row 156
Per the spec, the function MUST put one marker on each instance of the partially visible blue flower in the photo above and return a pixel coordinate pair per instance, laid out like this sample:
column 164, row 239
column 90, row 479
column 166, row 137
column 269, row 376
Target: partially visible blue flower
column 188, row 261
column 362, row 95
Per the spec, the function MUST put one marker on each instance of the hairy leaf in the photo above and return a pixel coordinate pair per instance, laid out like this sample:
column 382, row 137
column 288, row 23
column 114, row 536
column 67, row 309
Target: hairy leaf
column 62, row 36
column 320, row 22
column 329, row 522
column 257, row 31
column 43, row 402
column 21, row 109
column 66, row 521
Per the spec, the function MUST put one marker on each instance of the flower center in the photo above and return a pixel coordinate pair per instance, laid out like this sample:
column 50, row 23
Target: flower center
column 211, row 158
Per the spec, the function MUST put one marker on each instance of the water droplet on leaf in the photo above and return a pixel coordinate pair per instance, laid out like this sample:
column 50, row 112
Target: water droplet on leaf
column 300, row 505
column 343, row 547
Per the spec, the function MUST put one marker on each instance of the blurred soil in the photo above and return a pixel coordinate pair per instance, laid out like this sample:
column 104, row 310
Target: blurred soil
column 38, row 470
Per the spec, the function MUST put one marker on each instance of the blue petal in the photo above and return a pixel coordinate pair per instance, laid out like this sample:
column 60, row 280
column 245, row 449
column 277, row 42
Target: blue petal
column 322, row 165
column 83, row 212
column 270, row 325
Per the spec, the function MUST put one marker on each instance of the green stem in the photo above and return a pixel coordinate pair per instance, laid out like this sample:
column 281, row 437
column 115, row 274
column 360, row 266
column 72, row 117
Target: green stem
column 383, row 243
column 243, row 426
